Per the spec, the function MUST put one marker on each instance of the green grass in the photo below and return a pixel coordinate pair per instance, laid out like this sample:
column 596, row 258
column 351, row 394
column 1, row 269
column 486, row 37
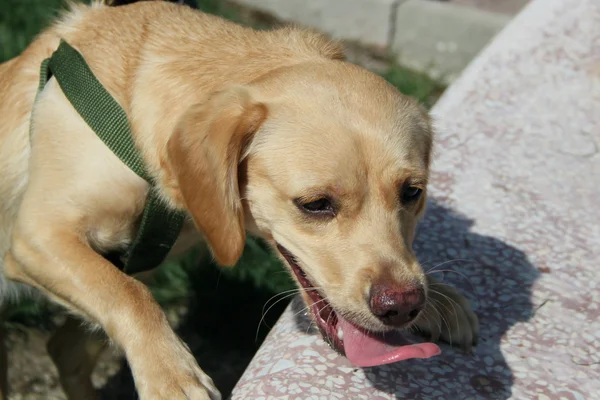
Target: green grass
column 415, row 84
column 21, row 20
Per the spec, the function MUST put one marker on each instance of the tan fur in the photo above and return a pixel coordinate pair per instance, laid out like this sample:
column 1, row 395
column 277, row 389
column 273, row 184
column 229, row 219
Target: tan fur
column 215, row 131
column 207, row 100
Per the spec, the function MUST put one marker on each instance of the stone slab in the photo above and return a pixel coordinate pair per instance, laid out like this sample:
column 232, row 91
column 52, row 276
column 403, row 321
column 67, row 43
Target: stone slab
column 442, row 38
column 513, row 222
column 367, row 21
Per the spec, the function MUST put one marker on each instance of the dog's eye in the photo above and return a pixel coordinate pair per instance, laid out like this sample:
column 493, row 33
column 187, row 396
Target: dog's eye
column 321, row 206
column 410, row 194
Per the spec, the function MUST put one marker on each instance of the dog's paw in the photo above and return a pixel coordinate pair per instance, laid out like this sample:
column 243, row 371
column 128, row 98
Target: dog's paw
column 173, row 376
column 448, row 316
column 182, row 383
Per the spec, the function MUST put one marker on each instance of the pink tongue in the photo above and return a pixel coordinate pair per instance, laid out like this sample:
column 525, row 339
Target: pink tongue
column 364, row 350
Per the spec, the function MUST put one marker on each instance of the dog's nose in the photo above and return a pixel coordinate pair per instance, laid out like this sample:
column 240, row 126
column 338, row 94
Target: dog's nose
column 396, row 306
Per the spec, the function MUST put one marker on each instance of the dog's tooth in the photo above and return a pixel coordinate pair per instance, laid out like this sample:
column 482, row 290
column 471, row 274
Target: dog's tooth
column 340, row 334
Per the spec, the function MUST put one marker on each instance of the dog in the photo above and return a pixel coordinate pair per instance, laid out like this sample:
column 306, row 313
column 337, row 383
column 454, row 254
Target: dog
column 267, row 133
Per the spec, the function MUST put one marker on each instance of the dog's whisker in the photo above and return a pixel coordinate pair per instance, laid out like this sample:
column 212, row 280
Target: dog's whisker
column 297, row 290
column 264, row 314
column 431, row 320
column 310, row 325
column 450, row 299
column 437, row 321
column 306, row 308
column 442, row 319
column 455, row 272
column 454, row 309
column 284, row 295
column 328, row 318
column 448, row 262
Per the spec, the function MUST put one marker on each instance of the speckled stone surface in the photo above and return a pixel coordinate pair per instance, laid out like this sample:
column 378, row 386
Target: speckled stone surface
column 515, row 210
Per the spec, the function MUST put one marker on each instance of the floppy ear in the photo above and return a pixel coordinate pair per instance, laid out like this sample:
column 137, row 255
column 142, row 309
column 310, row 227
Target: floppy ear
column 203, row 156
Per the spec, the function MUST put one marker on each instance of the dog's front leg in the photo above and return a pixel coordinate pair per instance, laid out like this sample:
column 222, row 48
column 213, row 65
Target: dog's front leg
column 61, row 263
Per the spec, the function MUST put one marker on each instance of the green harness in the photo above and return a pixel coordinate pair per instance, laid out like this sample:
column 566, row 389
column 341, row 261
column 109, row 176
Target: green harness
column 159, row 226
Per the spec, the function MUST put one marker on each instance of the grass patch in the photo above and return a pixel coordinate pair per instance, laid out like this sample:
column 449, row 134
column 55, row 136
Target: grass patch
column 21, row 20
column 415, row 84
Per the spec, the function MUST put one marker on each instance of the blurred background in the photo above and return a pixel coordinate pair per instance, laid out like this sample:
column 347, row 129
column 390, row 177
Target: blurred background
column 420, row 46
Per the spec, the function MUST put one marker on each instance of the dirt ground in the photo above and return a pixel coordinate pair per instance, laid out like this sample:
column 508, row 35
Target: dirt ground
column 222, row 346
column 32, row 375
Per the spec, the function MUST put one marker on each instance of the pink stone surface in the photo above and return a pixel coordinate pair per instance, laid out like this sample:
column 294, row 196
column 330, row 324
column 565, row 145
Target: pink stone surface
column 515, row 211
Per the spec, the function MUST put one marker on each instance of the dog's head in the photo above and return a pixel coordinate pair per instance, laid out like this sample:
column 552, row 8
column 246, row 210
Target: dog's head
column 329, row 163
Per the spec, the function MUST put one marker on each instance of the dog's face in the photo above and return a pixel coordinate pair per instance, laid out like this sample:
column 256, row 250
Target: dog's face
column 334, row 175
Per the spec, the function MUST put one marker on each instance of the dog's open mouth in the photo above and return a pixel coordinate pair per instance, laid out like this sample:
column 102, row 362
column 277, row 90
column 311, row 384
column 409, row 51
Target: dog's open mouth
column 362, row 348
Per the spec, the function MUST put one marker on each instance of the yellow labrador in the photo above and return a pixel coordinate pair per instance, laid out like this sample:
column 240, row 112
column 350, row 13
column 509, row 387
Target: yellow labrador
column 268, row 133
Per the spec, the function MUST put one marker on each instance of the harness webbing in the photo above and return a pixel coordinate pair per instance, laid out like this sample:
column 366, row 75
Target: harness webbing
column 159, row 225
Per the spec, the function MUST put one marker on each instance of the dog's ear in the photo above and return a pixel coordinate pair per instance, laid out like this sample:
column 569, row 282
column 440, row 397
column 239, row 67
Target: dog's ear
column 204, row 153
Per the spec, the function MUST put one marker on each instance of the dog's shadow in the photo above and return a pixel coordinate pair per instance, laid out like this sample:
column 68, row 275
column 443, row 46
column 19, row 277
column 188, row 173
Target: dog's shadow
column 497, row 278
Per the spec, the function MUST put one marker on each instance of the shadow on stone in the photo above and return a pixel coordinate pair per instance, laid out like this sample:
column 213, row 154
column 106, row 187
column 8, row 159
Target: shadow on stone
column 497, row 279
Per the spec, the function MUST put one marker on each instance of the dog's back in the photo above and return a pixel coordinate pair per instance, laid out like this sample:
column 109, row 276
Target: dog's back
column 18, row 84
column 19, row 80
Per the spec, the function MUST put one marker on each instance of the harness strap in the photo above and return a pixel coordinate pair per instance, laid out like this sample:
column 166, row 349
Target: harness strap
column 160, row 225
